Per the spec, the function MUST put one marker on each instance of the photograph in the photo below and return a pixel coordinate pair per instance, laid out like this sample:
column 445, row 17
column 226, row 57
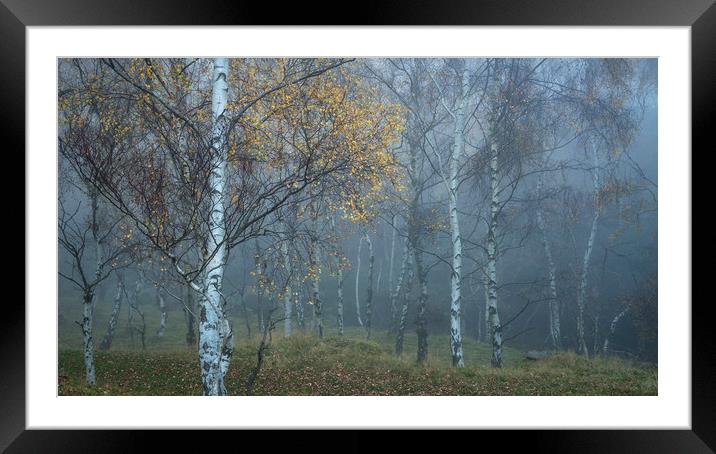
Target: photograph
column 357, row 226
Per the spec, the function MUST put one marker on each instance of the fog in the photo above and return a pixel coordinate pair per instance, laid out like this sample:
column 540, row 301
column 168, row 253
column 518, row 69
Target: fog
column 524, row 192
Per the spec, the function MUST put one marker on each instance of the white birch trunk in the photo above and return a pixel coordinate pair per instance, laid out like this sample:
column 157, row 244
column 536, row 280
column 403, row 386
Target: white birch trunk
column 211, row 322
column 398, row 287
column 162, row 312
column 339, row 303
column 315, row 260
column 404, row 308
column 87, row 343
column 583, row 282
column 613, row 328
column 227, row 349
column 486, row 286
column 392, row 255
column 90, row 294
column 493, row 315
column 369, row 296
column 554, row 320
column 360, row 244
column 339, row 309
column 456, row 238
column 99, row 247
column 114, row 317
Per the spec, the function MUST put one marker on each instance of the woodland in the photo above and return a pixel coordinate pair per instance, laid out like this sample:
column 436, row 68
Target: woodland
column 357, row 226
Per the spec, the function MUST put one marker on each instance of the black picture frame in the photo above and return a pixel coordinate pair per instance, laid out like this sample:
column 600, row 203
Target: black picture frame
column 700, row 15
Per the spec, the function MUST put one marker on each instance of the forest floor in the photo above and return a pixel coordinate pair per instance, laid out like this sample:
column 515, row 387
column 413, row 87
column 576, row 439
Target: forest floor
column 347, row 365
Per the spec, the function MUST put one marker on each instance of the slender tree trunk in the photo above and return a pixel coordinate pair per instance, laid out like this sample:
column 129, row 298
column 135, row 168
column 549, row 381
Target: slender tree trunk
column 478, row 315
column 97, row 214
column 554, row 320
column 456, row 237
column 211, row 320
column 339, row 310
column 259, row 288
column 404, row 309
column 392, row 255
column 132, row 305
column 613, row 328
column 89, row 294
column 300, row 316
column 401, row 278
column 369, row 297
column 494, row 317
column 114, row 317
column 582, row 291
column 245, row 310
column 377, row 280
column 287, row 307
column 87, row 343
column 314, row 259
column 339, row 266
column 190, row 319
column 422, row 322
column 162, row 312
column 360, row 244
column 486, row 286
column 414, row 238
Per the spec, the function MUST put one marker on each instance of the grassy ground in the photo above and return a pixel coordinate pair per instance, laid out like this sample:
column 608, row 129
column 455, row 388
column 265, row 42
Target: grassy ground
column 348, row 365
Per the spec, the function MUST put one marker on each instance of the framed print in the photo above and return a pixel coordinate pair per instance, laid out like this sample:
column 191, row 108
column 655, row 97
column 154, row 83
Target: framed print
column 474, row 216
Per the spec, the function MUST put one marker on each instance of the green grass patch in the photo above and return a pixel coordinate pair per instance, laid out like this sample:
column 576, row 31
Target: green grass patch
column 306, row 365
column 347, row 365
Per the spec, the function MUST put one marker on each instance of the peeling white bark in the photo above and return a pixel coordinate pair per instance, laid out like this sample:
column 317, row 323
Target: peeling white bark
column 227, row 350
column 455, row 236
column 87, row 342
column 493, row 315
column 211, row 322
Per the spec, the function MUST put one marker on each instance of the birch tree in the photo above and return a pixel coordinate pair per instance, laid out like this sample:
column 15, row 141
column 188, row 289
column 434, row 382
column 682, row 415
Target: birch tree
column 554, row 312
column 369, row 289
column 357, row 286
column 459, row 117
column 114, row 315
column 608, row 122
column 76, row 236
column 197, row 182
